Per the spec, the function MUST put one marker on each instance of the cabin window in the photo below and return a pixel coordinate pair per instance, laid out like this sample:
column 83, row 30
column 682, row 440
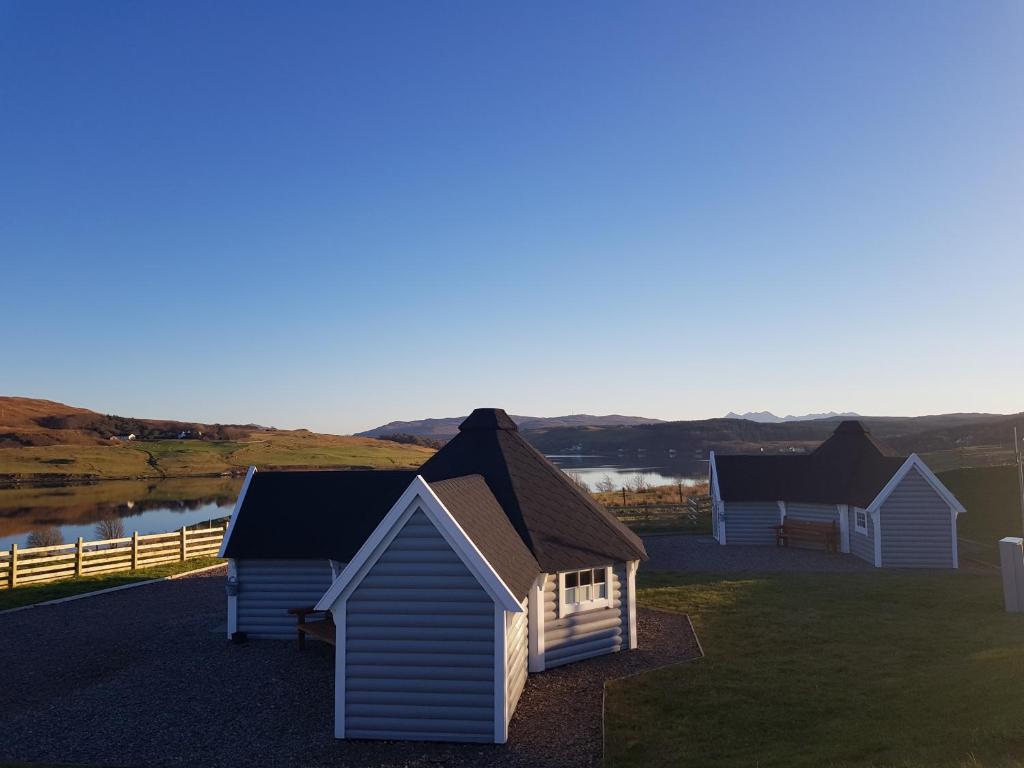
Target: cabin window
column 584, row 590
column 860, row 517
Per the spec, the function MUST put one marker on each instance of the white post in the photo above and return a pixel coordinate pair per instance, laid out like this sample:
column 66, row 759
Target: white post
column 1011, row 556
column 844, row 527
column 535, row 628
column 631, row 567
column 340, row 614
column 500, row 676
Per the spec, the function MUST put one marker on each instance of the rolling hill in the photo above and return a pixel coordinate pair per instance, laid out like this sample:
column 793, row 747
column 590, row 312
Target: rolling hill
column 41, row 440
column 446, row 428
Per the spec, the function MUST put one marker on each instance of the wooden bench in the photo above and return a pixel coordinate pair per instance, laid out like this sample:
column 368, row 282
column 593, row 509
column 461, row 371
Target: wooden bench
column 799, row 530
column 322, row 629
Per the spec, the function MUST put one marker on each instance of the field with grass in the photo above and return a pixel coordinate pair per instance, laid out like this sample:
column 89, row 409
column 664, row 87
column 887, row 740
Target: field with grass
column 183, row 458
column 30, row 594
column 660, row 508
column 992, row 498
column 840, row 670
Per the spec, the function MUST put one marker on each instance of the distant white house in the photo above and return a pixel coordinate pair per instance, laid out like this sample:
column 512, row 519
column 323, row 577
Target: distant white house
column 889, row 510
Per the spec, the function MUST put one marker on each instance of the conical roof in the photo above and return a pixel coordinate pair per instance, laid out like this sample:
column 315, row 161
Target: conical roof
column 563, row 527
column 848, row 468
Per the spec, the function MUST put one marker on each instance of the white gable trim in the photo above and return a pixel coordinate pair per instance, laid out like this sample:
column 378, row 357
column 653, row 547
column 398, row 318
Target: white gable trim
column 716, row 492
column 419, row 495
column 234, row 513
column 915, row 462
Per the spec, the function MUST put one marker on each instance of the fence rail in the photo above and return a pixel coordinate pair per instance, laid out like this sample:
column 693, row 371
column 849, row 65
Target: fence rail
column 33, row 565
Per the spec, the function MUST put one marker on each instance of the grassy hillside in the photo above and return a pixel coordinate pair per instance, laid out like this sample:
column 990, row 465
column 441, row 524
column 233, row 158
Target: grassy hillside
column 992, row 499
column 44, row 440
column 947, row 441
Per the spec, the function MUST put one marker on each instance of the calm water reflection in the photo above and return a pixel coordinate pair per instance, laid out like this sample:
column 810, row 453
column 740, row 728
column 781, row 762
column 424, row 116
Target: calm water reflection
column 594, row 469
column 63, row 513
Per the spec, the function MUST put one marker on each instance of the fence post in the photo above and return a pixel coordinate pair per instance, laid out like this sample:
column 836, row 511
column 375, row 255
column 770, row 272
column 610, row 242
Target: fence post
column 12, row 577
column 135, row 550
column 184, row 544
column 79, row 556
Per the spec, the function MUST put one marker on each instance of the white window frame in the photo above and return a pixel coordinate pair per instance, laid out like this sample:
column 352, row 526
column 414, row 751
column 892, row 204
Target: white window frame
column 857, row 512
column 594, row 603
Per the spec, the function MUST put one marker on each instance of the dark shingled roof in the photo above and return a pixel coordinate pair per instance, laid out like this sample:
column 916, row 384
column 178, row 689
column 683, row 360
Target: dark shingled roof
column 312, row 515
column 848, row 468
column 563, row 528
column 480, row 515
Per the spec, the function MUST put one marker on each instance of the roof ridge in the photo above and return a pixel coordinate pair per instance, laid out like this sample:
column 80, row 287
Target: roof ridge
column 528, row 540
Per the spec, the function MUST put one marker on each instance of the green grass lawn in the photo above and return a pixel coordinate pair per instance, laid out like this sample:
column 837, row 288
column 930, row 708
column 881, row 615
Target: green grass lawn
column 38, row 593
column 874, row 669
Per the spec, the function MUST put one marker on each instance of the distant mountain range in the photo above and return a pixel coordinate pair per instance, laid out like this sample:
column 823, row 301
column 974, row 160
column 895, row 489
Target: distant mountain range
column 767, row 417
column 446, row 428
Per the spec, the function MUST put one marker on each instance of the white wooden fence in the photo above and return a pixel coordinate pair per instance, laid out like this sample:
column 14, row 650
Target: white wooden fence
column 32, row 565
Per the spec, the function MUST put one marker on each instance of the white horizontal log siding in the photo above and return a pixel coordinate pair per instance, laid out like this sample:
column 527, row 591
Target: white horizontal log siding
column 812, row 513
column 751, row 522
column 863, row 544
column 517, row 651
column 419, row 645
column 916, row 527
column 589, row 633
column 268, row 588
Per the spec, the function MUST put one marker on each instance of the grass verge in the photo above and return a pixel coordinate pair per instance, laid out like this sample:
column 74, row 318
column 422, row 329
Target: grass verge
column 54, row 590
column 837, row 670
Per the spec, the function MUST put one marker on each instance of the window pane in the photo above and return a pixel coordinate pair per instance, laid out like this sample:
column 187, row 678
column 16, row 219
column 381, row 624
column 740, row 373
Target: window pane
column 584, row 594
column 602, row 590
column 571, row 580
column 585, row 576
column 570, row 596
column 599, row 576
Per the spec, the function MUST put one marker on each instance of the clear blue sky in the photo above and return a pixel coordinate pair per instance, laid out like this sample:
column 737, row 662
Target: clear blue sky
column 337, row 214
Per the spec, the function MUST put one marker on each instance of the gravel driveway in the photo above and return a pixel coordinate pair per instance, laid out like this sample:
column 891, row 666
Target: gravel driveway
column 145, row 677
column 703, row 553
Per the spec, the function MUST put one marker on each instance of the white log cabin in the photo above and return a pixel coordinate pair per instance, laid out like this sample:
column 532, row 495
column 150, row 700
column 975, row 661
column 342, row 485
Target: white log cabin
column 446, row 586
column 891, row 511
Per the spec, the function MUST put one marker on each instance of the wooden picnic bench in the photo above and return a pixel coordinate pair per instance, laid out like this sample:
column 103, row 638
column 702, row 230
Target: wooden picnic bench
column 800, row 530
column 322, row 629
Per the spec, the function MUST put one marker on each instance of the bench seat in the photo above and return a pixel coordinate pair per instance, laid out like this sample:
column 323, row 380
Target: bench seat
column 792, row 531
column 322, row 629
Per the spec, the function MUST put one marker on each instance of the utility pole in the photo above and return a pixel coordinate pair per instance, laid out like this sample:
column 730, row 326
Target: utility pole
column 1020, row 475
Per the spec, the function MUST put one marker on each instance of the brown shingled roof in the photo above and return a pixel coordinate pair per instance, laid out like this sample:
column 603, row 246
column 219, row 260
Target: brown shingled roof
column 480, row 515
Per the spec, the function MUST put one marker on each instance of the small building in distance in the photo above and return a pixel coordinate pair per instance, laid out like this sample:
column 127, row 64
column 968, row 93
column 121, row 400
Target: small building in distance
column 891, row 511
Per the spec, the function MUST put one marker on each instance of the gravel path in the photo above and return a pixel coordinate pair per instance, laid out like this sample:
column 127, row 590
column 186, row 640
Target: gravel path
column 703, row 553
column 145, row 677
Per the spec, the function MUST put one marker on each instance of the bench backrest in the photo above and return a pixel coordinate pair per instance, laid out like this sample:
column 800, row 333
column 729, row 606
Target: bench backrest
column 804, row 525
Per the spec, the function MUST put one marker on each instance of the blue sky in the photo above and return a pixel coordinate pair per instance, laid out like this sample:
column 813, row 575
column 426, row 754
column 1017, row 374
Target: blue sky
column 333, row 215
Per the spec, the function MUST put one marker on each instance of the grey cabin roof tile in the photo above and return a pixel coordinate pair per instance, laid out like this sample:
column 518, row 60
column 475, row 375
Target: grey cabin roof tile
column 848, row 468
column 547, row 523
column 480, row 515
